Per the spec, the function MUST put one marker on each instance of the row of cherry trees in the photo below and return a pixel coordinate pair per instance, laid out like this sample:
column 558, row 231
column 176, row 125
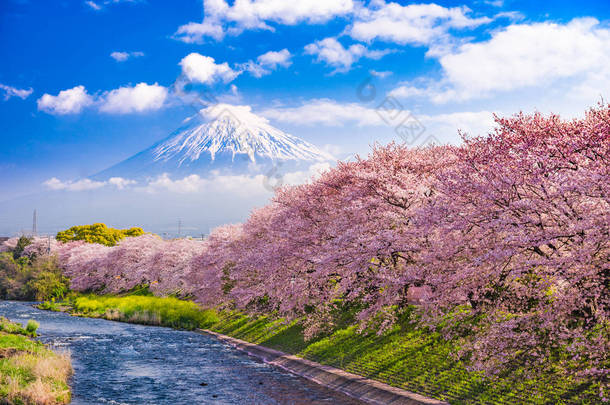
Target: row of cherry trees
column 507, row 234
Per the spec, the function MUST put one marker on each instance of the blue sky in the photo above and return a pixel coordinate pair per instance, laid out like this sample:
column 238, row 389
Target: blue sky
column 85, row 84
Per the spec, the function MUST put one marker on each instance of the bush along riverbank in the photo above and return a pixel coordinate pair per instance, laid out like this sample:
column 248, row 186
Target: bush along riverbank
column 408, row 355
column 30, row 373
column 32, row 276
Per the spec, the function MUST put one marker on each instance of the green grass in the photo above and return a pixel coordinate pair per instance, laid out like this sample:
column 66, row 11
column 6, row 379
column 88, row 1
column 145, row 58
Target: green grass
column 29, row 372
column 408, row 356
column 146, row 310
column 19, row 342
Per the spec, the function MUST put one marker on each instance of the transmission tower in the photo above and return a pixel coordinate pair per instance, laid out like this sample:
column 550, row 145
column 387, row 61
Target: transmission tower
column 34, row 225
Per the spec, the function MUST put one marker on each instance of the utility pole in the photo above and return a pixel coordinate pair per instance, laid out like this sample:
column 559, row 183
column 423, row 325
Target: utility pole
column 49, row 245
column 34, row 224
column 179, row 228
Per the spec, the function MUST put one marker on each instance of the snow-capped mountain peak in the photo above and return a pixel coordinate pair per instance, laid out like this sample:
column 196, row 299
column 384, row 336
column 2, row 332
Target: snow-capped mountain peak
column 235, row 130
column 222, row 138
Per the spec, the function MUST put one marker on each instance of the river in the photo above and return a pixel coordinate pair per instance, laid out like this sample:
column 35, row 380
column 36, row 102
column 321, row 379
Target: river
column 120, row 363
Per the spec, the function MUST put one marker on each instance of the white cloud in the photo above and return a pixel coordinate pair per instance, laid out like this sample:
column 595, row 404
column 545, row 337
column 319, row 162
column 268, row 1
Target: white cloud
column 512, row 16
column 301, row 177
column 189, row 184
column 528, row 55
column 87, row 184
column 221, row 18
column 123, row 56
column 470, row 122
column 79, row 185
column 193, row 33
column 120, row 182
column 253, row 13
column 93, row 5
column 204, row 69
column 97, row 6
column 243, row 112
column 10, row 91
column 120, row 56
column 241, row 185
column 494, row 3
column 140, row 98
column 192, row 184
column 254, row 69
column 523, row 56
column 407, row 91
column 418, row 24
column 70, row 101
column 267, row 62
column 381, row 75
column 333, row 114
column 330, row 51
column 274, row 59
column 334, row 150
column 325, row 112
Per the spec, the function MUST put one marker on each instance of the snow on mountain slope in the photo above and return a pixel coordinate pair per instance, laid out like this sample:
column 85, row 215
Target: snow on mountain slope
column 237, row 130
column 225, row 138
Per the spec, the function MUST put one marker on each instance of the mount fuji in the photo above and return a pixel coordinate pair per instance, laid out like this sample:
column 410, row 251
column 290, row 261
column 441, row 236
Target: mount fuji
column 213, row 170
column 225, row 139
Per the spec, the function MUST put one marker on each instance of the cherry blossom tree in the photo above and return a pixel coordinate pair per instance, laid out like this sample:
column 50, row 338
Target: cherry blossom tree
column 9, row 245
column 211, row 271
column 522, row 225
column 167, row 270
column 41, row 246
column 83, row 263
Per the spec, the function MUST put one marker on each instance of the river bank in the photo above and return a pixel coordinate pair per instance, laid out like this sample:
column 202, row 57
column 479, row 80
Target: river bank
column 30, row 373
column 409, row 357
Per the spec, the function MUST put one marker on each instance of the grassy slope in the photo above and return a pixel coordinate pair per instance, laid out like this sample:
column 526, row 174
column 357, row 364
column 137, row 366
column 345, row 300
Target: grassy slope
column 29, row 372
column 407, row 356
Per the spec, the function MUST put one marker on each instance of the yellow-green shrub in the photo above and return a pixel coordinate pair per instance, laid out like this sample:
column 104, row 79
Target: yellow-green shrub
column 97, row 233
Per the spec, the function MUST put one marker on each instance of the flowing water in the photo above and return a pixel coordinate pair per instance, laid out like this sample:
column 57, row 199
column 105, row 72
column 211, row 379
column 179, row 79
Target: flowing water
column 120, row 363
